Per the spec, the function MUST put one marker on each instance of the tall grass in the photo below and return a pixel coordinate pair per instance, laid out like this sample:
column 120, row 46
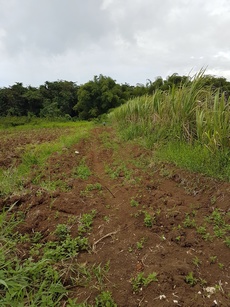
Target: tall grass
column 191, row 114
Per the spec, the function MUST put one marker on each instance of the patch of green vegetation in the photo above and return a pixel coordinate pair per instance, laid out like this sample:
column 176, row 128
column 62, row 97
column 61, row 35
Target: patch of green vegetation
column 202, row 230
column 227, row 241
column 190, row 279
column 196, row 158
column 13, row 179
column 85, row 222
column 140, row 281
column 117, row 171
column 213, row 259
column 25, row 282
column 82, row 171
column 140, row 244
column 61, row 231
column 66, row 248
column 216, row 218
column 40, row 278
column 10, row 181
column 93, row 186
column 108, row 142
column 104, row 299
column 187, row 125
column 148, row 219
column 196, row 261
column 20, row 123
column 53, row 185
column 189, row 221
column 220, row 265
column 134, row 203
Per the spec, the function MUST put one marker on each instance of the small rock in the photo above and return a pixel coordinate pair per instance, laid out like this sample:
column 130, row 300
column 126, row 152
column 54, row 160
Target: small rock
column 210, row 290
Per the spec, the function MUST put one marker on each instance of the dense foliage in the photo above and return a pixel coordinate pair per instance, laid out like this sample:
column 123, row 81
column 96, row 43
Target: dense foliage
column 92, row 99
column 189, row 123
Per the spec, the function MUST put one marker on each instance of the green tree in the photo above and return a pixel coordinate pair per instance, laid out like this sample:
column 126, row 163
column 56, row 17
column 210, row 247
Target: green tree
column 97, row 96
column 34, row 100
column 59, row 98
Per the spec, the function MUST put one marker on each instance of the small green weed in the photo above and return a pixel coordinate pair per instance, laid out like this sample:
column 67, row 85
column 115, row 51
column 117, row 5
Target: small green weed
column 104, row 299
column 203, row 282
column 178, row 238
column 140, row 244
column 53, row 185
column 148, row 219
column 62, row 231
column 92, row 187
column 219, row 232
column 134, row 203
column 82, row 171
column 106, row 218
column 196, row 261
column 190, row 279
column 213, row 259
column 221, row 265
column 140, row 281
column 207, row 237
column 227, row 241
column 100, row 272
column 69, row 247
column 216, row 218
column 117, row 171
column 189, row 222
column 201, row 230
column 166, row 173
column 85, row 222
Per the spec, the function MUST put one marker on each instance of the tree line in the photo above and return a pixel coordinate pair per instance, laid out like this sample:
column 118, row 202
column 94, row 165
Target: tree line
column 90, row 100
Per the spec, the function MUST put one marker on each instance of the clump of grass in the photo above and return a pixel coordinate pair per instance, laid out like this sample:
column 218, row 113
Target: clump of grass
column 92, row 187
column 140, row 244
column 25, row 282
column 148, row 219
column 41, row 278
column 119, row 170
column 85, row 222
column 134, row 203
column 62, row 231
column 189, row 222
column 140, row 281
column 105, row 299
column 82, row 171
column 191, row 279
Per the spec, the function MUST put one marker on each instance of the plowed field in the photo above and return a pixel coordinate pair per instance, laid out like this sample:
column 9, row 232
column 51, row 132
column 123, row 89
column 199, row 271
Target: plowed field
column 149, row 219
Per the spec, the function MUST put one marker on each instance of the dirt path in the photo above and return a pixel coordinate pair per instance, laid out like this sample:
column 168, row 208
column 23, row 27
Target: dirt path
column 149, row 219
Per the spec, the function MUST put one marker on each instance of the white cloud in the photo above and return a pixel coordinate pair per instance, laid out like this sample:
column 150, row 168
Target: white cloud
column 130, row 41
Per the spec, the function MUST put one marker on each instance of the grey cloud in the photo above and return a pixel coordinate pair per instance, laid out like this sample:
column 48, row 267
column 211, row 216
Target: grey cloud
column 130, row 40
column 53, row 26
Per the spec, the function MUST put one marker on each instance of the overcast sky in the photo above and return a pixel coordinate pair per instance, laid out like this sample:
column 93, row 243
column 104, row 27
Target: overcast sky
column 129, row 40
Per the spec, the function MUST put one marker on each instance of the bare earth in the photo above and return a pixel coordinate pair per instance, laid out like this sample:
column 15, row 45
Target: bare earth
column 171, row 246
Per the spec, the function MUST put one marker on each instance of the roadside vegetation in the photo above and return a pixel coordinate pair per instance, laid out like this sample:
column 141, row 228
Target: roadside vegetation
column 187, row 125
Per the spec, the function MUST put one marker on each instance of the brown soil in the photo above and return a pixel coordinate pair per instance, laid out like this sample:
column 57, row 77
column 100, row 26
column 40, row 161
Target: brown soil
column 170, row 247
column 13, row 144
